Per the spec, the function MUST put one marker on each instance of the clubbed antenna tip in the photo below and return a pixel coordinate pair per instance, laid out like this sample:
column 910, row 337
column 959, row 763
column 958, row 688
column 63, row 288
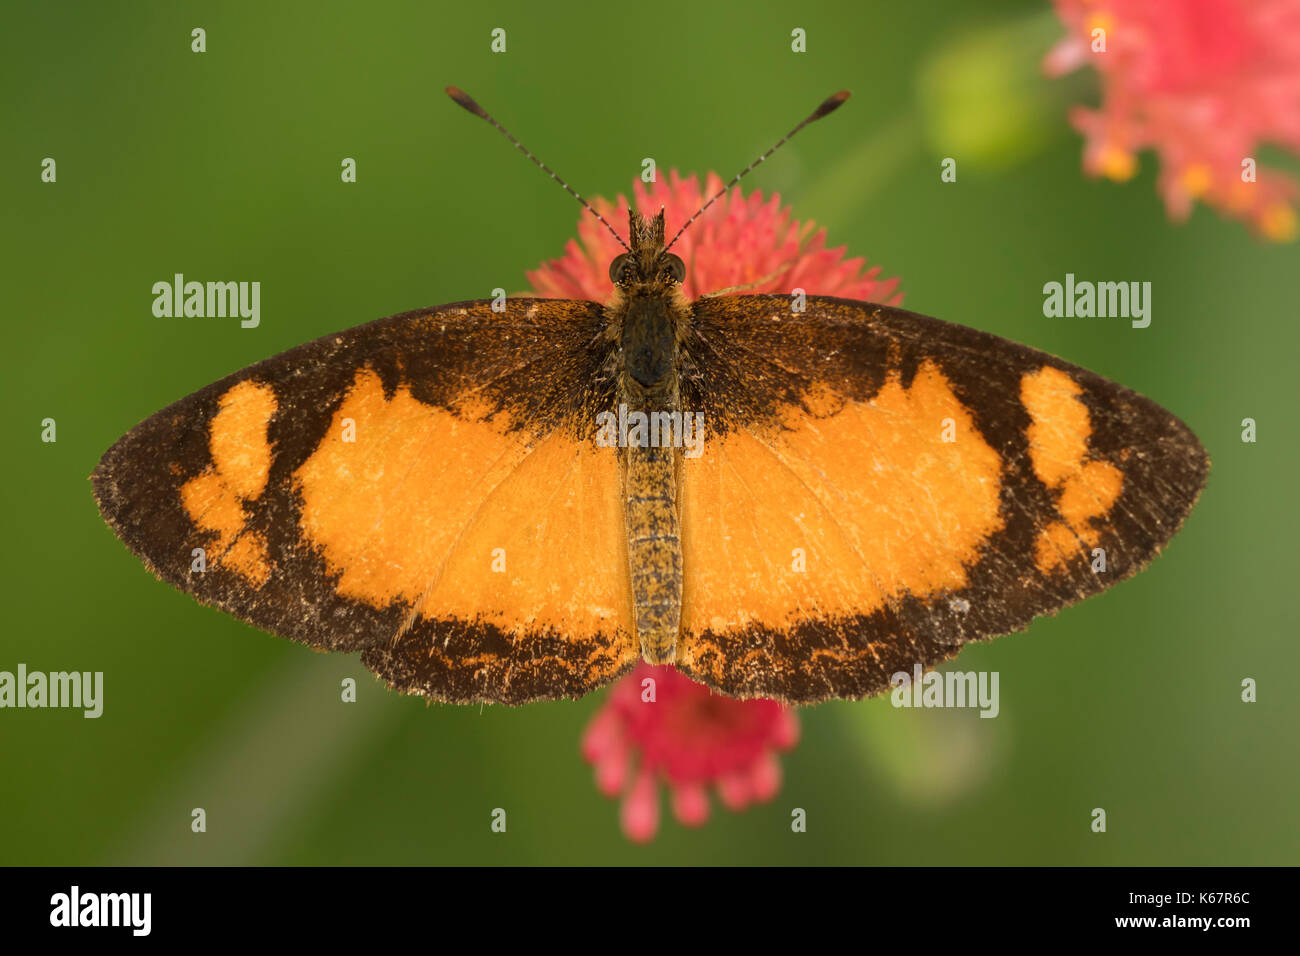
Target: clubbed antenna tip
column 465, row 100
column 829, row 105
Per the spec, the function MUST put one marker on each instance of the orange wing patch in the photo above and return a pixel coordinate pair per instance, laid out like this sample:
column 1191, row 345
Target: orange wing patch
column 554, row 529
column 378, row 506
column 830, row 516
column 241, row 463
column 458, row 517
column 1058, row 447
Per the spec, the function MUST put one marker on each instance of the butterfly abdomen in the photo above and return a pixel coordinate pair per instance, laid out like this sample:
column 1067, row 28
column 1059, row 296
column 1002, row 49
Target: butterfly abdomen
column 654, row 550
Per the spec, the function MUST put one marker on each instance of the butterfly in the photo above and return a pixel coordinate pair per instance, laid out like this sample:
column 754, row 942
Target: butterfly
column 783, row 497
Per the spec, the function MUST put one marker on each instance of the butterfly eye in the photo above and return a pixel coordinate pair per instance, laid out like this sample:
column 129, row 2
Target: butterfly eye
column 674, row 267
column 618, row 267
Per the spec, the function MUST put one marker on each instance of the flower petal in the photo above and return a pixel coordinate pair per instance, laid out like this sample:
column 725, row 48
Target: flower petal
column 640, row 812
column 690, row 804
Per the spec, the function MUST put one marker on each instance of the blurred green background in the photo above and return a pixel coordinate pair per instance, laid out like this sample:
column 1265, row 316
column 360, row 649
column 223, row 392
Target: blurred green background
column 225, row 165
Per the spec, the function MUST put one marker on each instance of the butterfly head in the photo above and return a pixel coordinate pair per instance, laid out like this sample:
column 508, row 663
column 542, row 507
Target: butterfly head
column 647, row 266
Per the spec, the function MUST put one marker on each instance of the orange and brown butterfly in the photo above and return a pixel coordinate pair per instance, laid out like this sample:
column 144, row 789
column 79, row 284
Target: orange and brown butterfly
column 783, row 497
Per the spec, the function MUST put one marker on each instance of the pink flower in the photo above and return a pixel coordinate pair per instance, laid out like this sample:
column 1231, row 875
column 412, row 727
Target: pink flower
column 1202, row 82
column 740, row 240
column 677, row 731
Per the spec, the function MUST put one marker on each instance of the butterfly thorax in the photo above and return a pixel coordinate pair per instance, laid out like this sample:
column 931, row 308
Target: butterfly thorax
column 649, row 315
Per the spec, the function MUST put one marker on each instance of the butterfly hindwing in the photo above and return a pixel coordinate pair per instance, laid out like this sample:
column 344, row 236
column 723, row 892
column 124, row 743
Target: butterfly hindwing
column 422, row 489
column 879, row 488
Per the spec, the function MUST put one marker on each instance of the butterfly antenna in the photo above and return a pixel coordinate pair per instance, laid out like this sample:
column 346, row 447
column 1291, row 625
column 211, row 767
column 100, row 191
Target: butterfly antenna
column 828, row 105
column 464, row 100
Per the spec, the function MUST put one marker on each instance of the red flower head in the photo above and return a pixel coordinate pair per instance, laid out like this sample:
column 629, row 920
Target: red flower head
column 686, row 736
column 1204, row 83
column 690, row 738
column 740, row 240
